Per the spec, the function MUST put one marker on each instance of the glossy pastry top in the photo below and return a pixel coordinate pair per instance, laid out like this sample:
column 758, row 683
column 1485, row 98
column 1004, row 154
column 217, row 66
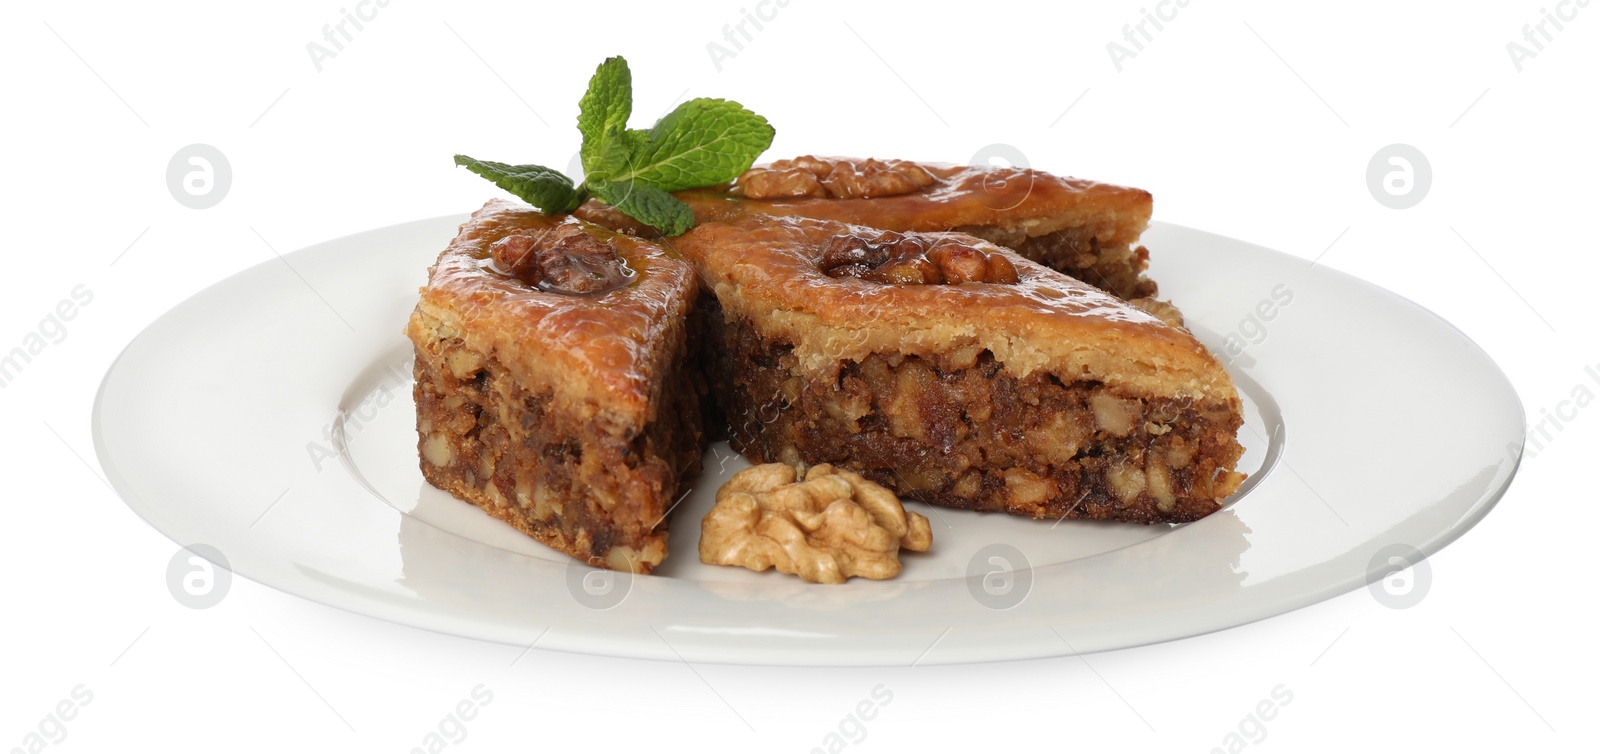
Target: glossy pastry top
column 564, row 302
column 902, row 195
column 775, row 271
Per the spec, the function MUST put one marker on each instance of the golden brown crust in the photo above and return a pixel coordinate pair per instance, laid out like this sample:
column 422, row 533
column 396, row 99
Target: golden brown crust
column 1087, row 229
column 963, row 195
column 768, row 269
column 593, row 347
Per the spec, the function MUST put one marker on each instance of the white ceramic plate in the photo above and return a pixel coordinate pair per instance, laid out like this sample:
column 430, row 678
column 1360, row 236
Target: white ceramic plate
column 270, row 417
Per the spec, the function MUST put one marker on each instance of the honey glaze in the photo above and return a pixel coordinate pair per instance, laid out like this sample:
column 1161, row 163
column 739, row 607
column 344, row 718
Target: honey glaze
column 897, row 195
column 562, row 259
column 607, row 339
column 891, row 257
column 902, row 195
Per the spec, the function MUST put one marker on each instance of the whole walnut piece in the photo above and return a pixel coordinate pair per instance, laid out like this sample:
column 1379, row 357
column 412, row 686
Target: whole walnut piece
column 834, row 178
column 833, row 525
column 563, row 259
column 914, row 260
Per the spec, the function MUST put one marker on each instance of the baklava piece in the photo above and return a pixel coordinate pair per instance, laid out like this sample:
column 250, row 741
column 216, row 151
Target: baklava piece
column 955, row 372
column 554, row 382
column 1085, row 229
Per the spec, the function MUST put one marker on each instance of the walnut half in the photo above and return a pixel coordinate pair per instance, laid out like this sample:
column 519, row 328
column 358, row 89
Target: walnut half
column 833, row 525
column 834, row 178
column 892, row 257
column 562, row 259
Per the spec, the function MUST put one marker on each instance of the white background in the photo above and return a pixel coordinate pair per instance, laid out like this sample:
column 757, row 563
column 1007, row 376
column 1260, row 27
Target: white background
column 1251, row 119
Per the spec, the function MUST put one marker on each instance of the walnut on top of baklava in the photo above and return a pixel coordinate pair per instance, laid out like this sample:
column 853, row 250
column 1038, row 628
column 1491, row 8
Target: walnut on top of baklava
column 1086, row 229
column 958, row 373
column 555, row 384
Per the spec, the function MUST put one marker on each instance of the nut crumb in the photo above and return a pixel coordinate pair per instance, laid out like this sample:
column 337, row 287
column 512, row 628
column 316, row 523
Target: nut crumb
column 832, row 525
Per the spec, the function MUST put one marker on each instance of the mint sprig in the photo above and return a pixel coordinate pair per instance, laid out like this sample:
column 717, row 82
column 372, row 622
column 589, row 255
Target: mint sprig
column 547, row 189
column 603, row 112
column 703, row 142
column 647, row 204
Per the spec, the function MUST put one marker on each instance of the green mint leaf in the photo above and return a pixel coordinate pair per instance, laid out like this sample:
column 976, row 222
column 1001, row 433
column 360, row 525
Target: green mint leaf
column 701, row 143
column 540, row 186
column 603, row 112
column 616, row 156
column 647, row 204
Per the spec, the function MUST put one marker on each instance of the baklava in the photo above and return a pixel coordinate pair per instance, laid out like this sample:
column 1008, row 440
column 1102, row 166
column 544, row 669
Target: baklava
column 555, row 384
column 958, row 373
column 1086, row 229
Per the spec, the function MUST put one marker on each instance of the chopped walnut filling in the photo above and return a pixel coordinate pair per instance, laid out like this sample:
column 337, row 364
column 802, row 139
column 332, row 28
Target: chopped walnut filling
column 833, row 525
column 563, row 259
column 955, row 428
column 915, row 260
column 825, row 178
